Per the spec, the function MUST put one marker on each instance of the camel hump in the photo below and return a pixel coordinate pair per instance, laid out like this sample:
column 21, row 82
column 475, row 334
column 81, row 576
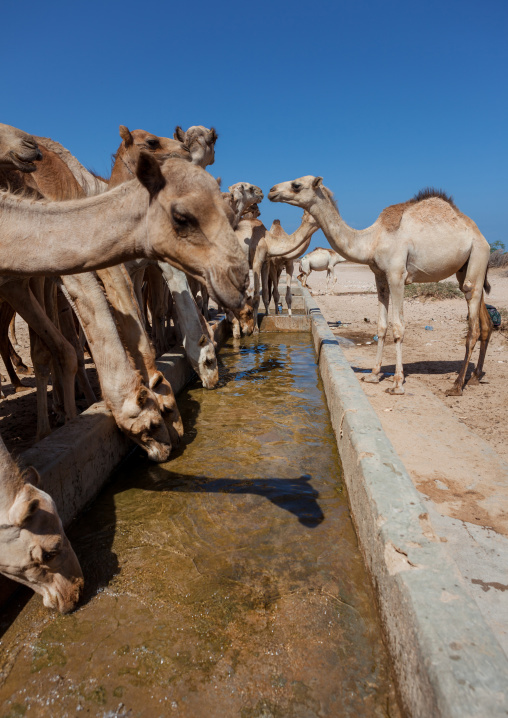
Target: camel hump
column 429, row 192
column 391, row 217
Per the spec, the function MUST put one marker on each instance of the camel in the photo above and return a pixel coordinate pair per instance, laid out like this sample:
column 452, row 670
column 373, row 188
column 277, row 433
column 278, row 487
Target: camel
column 423, row 240
column 276, row 265
column 34, row 549
column 175, row 214
column 201, row 143
column 135, row 408
column 321, row 259
column 259, row 246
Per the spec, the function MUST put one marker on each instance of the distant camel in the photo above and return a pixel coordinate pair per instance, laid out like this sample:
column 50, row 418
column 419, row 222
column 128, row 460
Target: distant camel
column 320, row 260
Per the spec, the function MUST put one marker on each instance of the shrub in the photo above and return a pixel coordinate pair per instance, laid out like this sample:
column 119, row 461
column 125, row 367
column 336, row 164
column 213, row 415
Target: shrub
column 432, row 290
column 498, row 259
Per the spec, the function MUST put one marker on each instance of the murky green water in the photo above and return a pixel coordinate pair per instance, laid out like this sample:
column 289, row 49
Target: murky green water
column 227, row 582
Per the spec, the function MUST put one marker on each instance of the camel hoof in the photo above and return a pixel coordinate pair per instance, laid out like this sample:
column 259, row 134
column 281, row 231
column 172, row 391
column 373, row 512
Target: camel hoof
column 21, row 388
column 454, row 391
column 395, row 390
column 475, row 379
column 372, row 378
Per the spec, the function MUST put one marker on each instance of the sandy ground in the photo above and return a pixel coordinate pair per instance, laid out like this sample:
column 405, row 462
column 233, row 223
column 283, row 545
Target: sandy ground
column 433, row 357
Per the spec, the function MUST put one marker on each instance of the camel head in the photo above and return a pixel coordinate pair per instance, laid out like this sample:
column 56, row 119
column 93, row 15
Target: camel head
column 205, row 363
column 245, row 195
column 167, row 406
column 18, row 150
column 189, row 228
column 301, row 192
column 201, row 143
column 136, row 141
column 140, row 418
column 245, row 315
column 34, row 549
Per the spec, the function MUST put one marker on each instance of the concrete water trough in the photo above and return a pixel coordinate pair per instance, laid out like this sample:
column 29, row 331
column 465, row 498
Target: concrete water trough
column 444, row 659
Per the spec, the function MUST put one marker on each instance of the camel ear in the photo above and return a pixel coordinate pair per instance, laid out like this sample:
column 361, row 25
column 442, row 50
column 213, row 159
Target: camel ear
column 212, row 137
column 142, row 396
column 149, row 174
column 24, row 506
column 126, row 136
column 179, row 134
column 203, row 341
column 276, row 221
column 316, row 182
column 31, row 476
column 219, row 181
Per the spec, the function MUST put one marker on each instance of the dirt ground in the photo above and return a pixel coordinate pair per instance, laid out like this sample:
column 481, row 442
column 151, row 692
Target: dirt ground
column 432, row 357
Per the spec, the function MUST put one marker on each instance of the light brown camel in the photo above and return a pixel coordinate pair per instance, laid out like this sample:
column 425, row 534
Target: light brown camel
column 259, row 246
column 424, row 240
column 201, row 143
column 306, row 229
column 34, row 549
column 135, row 409
column 174, row 213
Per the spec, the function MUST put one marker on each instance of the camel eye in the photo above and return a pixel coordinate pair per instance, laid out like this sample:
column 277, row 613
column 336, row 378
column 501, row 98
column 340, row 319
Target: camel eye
column 296, row 186
column 152, row 144
column 182, row 219
column 48, row 556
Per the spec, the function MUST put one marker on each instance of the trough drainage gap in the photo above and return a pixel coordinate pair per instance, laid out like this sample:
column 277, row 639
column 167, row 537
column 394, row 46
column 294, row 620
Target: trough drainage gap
column 227, row 582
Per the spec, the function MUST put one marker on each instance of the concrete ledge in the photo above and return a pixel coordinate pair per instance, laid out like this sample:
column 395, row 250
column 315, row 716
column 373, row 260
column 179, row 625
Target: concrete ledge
column 284, row 323
column 447, row 661
column 76, row 460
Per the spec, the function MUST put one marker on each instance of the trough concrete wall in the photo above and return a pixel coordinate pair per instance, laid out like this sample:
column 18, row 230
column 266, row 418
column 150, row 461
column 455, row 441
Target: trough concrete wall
column 446, row 660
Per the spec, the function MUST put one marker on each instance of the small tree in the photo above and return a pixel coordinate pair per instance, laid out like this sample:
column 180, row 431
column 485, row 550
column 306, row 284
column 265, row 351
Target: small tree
column 496, row 245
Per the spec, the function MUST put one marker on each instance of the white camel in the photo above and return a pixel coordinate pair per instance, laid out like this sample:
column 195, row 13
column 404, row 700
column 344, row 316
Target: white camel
column 423, row 240
column 320, row 260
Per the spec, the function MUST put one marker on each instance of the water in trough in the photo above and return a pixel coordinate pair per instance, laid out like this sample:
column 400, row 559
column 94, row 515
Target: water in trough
column 227, row 582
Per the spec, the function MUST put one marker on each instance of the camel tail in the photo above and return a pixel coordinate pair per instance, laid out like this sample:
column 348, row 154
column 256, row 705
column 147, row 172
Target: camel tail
column 486, row 284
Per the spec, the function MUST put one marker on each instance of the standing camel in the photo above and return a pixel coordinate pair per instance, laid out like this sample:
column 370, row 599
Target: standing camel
column 277, row 264
column 320, row 260
column 423, row 240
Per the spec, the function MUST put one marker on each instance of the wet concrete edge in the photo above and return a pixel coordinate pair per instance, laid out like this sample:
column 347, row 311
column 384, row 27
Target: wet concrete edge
column 76, row 460
column 447, row 661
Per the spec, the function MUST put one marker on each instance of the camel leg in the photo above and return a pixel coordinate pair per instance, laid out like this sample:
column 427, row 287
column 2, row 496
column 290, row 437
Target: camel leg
column 6, row 312
column 289, row 277
column 486, row 328
column 12, row 332
column 396, row 285
column 383, row 295
column 472, row 286
column 257, row 267
column 68, row 329
column 47, row 344
column 328, row 278
column 274, row 280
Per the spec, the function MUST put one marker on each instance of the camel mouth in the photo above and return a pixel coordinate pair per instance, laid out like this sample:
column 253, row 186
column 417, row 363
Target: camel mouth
column 159, row 453
column 26, row 164
column 273, row 196
column 226, row 289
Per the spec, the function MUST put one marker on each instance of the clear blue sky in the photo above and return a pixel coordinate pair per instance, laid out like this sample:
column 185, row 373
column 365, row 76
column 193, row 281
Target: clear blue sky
column 380, row 98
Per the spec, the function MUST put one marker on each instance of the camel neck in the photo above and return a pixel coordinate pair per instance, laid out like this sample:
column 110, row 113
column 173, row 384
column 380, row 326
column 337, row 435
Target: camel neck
column 353, row 244
column 39, row 238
